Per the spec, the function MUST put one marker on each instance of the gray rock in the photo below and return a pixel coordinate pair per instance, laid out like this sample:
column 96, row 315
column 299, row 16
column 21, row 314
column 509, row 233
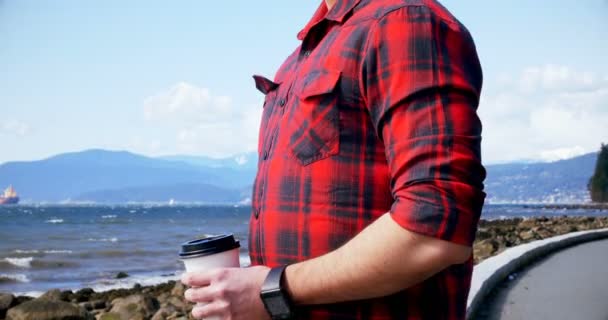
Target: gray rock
column 93, row 305
column 67, row 295
column 178, row 289
column 99, row 304
column 134, row 307
column 122, row 275
column 83, row 295
column 53, row 295
column 177, row 302
column 528, row 223
column 485, row 248
column 564, row 228
column 86, row 305
column 45, row 309
column 6, row 301
column 163, row 297
column 108, row 316
column 164, row 312
column 526, row 235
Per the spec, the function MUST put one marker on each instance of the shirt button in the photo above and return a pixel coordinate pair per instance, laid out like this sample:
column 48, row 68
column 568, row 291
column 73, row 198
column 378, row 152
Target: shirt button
column 282, row 102
column 307, row 53
column 265, row 157
column 256, row 212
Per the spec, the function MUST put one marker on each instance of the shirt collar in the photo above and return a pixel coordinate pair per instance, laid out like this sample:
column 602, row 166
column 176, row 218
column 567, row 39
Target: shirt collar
column 337, row 13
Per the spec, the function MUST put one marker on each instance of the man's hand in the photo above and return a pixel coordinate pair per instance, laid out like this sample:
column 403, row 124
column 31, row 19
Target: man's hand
column 228, row 293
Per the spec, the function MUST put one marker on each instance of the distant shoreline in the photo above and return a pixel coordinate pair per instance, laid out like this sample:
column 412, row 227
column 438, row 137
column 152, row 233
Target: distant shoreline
column 566, row 206
column 532, row 205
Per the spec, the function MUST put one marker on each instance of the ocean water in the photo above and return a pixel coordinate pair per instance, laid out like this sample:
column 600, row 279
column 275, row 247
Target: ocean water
column 71, row 247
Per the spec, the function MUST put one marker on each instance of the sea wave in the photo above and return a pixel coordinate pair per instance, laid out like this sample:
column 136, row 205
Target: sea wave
column 20, row 262
column 113, row 239
column 58, row 251
column 12, row 278
column 33, row 294
column 109, row 216
column 39, row 253
column 126, row 283
column 54, row 221
column 119, row 253
column 25, row 251
column 11, row 263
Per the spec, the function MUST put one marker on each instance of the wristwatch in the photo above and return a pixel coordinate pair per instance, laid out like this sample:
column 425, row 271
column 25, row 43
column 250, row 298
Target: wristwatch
column 275, row 296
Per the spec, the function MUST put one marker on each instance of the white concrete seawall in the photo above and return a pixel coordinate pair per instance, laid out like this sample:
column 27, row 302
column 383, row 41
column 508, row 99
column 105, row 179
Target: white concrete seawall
column 492, row 271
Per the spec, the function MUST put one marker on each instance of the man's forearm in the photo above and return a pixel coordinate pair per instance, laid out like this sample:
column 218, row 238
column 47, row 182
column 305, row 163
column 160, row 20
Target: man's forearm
column 381, row 260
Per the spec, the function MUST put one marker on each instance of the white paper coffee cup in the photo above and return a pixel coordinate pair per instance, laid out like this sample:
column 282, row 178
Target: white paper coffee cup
column 208, row 253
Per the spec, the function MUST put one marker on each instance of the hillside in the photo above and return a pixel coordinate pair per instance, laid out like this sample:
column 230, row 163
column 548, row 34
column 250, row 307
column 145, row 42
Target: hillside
column 119, row 176
column 562, row 181
column 69, row 175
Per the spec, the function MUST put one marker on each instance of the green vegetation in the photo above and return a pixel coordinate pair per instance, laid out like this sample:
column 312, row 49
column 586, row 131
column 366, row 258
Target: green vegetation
column 598, row 185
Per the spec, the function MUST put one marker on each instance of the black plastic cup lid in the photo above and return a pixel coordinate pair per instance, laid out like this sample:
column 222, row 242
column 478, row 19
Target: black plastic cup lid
column 208, row 246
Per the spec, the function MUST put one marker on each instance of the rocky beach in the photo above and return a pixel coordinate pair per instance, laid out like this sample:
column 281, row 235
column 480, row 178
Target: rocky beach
column 165, row 301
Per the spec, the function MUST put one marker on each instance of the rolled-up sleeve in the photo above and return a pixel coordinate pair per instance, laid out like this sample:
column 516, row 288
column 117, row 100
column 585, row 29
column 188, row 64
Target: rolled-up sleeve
column 421, row 81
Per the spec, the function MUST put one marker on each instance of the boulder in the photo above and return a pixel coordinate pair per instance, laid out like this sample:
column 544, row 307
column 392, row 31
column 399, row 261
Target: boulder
column 6, row 301
column 179, row 303
column 163, row 297
column 45, row 309
column 108, row 316
column 67, row 295
column 564, row 228
column 122, row 275
column 544, row 233
column 527, row 235
column 134, row 307
column 93, row 305
column 83, row 295
column 528, row 223
column 178, row 289
column 165, row 312
column 21, row 299
column 484, row 249
column 53, row 295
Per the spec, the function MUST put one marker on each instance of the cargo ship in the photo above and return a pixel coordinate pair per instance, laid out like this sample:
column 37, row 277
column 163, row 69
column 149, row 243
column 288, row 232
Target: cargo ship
column 9, row 197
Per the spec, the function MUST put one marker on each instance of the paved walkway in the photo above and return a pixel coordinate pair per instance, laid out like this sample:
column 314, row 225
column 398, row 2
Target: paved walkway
column 569, row 284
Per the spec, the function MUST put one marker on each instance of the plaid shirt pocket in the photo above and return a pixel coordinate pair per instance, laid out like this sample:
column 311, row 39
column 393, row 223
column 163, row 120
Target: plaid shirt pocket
column 269, row 88
column 314, row 125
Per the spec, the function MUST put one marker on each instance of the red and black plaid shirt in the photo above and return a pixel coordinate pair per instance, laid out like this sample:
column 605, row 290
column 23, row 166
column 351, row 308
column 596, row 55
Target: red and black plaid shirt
column 374, row 112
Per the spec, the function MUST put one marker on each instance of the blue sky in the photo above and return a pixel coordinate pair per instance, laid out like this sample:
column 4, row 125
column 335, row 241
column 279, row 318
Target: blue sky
column 174, row 77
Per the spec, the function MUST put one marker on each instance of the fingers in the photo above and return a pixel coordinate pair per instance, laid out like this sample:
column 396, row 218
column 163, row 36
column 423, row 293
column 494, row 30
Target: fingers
column 217, row 309
column 203, row 294
column 204, row 278
column 197, row 279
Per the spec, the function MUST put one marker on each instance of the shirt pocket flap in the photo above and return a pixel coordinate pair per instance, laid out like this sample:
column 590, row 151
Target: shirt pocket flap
column 264, row 85
column 318, row 83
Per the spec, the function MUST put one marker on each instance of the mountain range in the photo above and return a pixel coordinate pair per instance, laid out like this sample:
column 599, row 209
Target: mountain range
column 103, row 176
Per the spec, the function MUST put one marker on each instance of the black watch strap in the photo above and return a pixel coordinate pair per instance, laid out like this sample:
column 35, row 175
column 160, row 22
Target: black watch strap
column 275, row 297
column 274, row 279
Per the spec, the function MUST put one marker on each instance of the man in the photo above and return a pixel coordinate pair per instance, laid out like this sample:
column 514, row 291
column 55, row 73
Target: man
column 369, row 186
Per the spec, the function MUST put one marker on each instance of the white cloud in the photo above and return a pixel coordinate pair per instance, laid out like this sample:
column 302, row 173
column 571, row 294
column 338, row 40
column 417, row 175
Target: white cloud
column 184, row 101
column 14, row 128
column 550, row 113
column 204, row 123
column 241, row 160
column 556, row 78
column 562, row 153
